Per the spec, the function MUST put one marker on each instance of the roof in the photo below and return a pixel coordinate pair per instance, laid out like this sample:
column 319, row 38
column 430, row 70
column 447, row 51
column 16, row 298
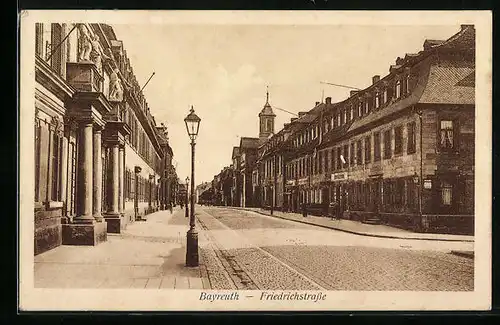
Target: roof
column 267, row 111
column 236, row 152
column 249, row 143
column 450, row 83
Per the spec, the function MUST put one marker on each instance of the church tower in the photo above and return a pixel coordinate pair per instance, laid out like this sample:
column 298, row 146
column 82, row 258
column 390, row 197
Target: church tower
column 266, row 120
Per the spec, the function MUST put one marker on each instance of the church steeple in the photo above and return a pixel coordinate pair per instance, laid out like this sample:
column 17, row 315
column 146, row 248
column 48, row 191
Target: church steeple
column 266, row 119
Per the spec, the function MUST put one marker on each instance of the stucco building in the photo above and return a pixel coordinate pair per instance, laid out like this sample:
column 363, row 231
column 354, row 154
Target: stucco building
column 98, row 156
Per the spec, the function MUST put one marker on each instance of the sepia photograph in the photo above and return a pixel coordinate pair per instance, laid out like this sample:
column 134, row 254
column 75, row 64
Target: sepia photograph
column 255, row 160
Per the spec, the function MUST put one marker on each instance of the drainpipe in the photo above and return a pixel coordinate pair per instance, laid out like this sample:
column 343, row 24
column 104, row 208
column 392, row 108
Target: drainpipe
column 421, row 181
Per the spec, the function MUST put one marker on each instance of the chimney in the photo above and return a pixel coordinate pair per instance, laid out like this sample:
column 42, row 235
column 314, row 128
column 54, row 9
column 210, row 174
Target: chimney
column 353, row 92
column 302, row 114
column 375, row 79
column 317, row 103
column 328, row 100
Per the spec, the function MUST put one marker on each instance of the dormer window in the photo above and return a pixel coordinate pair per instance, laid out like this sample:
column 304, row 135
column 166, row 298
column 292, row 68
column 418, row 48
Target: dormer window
column 385, row 96
column 367, row 107
column 377, row 99
column 407, row 84
column 398, row 89
column 360, row 109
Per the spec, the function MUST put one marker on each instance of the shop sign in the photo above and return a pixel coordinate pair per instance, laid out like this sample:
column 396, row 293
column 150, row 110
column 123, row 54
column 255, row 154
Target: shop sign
column 339, row 176
column 427, row 184
column 302, row 181
column 290, row 182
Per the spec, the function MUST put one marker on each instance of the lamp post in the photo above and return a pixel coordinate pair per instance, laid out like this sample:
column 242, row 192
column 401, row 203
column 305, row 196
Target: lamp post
column 186, row 197
column 192, row 126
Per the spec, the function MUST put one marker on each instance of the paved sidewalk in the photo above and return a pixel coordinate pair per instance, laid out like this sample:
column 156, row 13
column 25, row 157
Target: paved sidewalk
column 358, row 228
column 147, row 255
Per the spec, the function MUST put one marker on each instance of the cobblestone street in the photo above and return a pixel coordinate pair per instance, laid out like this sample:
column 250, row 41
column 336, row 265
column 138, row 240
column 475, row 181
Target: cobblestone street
column 252, row 251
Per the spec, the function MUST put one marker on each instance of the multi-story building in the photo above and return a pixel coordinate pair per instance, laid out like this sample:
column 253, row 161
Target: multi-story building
column 97, row 151
column 402, row 150
column 168, row 178
column 236, row 187
column 248, row 157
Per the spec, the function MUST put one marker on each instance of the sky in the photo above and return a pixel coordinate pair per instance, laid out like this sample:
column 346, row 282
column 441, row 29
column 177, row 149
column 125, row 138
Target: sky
column 223, row 71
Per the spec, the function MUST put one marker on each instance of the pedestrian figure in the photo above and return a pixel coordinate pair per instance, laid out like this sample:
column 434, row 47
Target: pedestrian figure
column 304, row 210
column 170, row 208
column 334, row 206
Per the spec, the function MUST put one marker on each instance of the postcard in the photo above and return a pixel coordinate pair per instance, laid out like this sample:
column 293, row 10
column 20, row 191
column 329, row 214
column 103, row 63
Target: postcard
column 255, row 160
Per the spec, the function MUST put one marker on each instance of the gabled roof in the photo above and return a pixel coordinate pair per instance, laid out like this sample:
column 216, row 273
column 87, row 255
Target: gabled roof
column 249, row 143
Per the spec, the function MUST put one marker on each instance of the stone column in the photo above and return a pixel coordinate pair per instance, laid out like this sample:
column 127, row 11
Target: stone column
column 84, row 181
column 115, row 177
column 121, row 194
column 64, row 174
column 97, row 175
column 243, row 199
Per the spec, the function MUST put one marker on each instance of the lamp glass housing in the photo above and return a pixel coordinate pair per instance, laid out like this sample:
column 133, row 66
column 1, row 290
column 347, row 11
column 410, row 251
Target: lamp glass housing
column 192, row 124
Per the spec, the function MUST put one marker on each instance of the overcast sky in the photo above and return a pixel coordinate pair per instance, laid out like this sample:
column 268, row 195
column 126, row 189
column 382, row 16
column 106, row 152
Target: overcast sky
column 223, row 70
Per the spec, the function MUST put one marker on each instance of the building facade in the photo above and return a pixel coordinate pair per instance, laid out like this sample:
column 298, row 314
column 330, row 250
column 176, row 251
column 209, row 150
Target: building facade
column 97, row 152
column 401, row 151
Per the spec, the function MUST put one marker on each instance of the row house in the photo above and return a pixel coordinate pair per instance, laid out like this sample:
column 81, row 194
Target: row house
column 97, row 154
column 401, row 151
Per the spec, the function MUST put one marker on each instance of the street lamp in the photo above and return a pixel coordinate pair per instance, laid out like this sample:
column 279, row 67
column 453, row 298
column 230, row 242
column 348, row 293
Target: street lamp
column 186, row 197
column 192, row 126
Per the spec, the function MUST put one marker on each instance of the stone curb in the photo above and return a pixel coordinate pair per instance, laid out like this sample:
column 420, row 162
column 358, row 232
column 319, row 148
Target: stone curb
column 355, row 232
column 466, row 254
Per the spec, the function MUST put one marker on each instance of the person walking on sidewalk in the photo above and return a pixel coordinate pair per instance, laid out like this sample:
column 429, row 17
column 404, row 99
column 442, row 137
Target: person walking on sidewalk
column 304, row 210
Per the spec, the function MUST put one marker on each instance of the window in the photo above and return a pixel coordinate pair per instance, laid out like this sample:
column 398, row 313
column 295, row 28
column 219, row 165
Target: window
column 360, row 109
column 407, row 84
column 367, row 107
column 55, row 195
column 359, row 152
column 345, row 155
column 398, row 140
column 446, row 134
column 352, row 161
column 377, row 99
column 56, row 54
column 344, row 117
column 334, row 159
column 320, row 156
column 39, row 39
column 339, row 119
column 387, row 144
column 411, row 145
column 446, row 193
column 351, row 117
column 376, row 146
column 368, row 149
column 37, row 158
column 398, row 88
column 386, row 96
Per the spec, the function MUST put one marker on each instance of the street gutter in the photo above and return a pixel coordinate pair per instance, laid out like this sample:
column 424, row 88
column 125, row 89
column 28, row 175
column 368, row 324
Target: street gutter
column 354, row 232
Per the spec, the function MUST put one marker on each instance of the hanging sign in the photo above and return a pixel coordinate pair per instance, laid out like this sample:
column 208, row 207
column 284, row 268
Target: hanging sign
column 427, row 184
